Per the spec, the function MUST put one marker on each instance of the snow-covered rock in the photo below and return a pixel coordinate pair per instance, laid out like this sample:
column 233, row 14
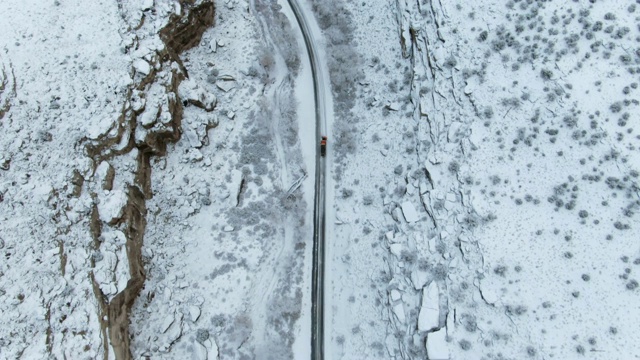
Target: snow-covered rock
column 390, row 236
column 149, row 115
column 423, row 187
column 489, row 293
column 200, row 352
column 192, row 136
column 226, row 86
column 437, row 347
column 409, row 212
column 212, row 346
column 111, row 206
column 398, row 311
column 395, row 295
column 100, row 127
column 419, row 278
column 166, row 323
column 429, row 316
column 146, row 4
column 396, row 249
column 236, row 181
column 104, row 175
column 391, row 344
column 192, row 92
column 433, row 242
column 396, row 214
column 174, row 331
column 394, row 106
column 142, row 66
column 194, row 313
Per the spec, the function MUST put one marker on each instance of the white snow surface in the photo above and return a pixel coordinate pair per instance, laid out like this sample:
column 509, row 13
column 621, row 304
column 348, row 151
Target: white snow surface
column 207, row 291
column 65, row 77
column 511, row 125
column 483, row 186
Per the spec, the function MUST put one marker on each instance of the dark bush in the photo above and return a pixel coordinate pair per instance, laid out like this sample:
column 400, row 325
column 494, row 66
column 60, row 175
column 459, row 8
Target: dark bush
column 546, row 74
column 464, row 345
column 616, row 107
column 483, row 36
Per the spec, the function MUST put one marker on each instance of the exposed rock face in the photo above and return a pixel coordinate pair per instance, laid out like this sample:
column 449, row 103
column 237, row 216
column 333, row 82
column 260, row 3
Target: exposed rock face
column 118, row 308
column 157, row 78
column 183, row 33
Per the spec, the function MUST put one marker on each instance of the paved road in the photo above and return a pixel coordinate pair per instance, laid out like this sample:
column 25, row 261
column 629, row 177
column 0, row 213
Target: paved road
column 317, row 293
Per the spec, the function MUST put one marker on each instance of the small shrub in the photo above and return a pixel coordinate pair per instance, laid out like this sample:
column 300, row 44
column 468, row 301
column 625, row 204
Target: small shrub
column 202, row 335
column 620, row 226
column 498, row 45
column 518, row 310
column 450, row 62
column 531, row 351
column 465, row 345
column 408, row 257
column 500, row 270
column 454, row 167
column 616, row 107
column 625, row 59
column 347, row 193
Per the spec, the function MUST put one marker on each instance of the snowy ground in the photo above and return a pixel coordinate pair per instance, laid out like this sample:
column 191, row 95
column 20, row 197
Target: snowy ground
column 484, row 171
column 227, row 275
column 64, row 75
column 137, row 245
column 488, row 210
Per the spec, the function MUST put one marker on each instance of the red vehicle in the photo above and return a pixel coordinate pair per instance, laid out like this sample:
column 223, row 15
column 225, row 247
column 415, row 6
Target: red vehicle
column 323, row 146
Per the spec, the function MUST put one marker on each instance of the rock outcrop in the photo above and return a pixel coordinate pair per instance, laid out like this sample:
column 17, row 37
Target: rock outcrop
column 141, row 135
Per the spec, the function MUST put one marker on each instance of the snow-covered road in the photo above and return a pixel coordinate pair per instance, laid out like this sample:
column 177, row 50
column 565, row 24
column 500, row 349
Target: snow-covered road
column 318, row 272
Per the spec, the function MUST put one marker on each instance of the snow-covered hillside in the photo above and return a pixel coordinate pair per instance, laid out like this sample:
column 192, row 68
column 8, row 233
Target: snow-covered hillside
column 157, row 160
column 149, row 154
column 488, row 210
